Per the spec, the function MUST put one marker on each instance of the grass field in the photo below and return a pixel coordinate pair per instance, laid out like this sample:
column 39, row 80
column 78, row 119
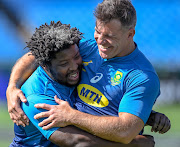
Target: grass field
column 170, row 139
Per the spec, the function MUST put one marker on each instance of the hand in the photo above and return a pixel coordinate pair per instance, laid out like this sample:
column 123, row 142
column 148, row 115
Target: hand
column 143, row 141
column 14, row 96
column 159, row 122
column 58, row 115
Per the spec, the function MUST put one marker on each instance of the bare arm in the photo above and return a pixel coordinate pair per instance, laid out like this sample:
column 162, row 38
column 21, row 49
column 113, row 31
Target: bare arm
column 74, row 137
column 24, row 67
column 58, row 115
column 119, row 129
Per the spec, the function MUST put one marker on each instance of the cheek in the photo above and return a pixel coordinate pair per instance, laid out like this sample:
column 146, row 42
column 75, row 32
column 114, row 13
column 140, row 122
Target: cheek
column 79, row 62
column 61, row 73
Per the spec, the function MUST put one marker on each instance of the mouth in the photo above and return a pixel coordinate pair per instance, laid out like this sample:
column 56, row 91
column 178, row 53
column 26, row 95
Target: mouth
column 104, row 48
column 74, row 76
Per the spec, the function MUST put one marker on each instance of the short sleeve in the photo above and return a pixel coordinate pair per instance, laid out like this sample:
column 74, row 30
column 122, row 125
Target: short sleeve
column 30, row 111
column 142, row 90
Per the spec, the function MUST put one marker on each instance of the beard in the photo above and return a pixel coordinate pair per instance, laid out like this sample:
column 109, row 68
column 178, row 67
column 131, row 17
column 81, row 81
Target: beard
column 58, row 78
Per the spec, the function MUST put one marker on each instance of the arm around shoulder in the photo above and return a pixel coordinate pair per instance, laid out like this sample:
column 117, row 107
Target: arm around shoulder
column 23, row 68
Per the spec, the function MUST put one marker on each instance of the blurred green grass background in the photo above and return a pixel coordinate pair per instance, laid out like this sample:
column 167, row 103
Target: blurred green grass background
column 169, row 139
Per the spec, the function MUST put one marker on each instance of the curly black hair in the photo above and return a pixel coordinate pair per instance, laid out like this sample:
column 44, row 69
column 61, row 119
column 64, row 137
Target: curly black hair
column 50, row 39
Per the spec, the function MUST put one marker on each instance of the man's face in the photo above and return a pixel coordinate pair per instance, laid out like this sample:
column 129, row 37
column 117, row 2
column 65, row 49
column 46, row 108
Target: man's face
column 111, row 39
column 66, row 67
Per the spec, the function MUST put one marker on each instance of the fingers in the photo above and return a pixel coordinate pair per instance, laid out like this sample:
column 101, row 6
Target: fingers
column 14, row 96
column 166, row 127
column 161, row 124
column 22, row 97
column 156, row 123
column 19, row 119
column 18, row 116
column 49, row 126
column 45, row 122
column 43, row 106
column 42, row 115
column 57, row 99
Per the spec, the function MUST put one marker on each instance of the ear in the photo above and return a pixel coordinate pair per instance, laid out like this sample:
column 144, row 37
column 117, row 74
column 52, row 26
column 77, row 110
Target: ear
column 131, row 33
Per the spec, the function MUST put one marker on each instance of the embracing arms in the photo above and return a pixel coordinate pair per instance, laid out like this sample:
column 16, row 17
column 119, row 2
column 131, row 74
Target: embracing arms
column 67, row 136
column 24, row 67
column 122, row 129
column 58, row 116
column 19, row 75
column 74, row 137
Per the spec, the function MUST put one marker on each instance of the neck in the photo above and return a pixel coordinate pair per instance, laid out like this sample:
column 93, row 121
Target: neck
column 129, row 49
column 132, row 46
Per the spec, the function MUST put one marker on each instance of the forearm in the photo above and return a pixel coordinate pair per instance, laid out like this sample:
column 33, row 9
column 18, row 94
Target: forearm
column 23, row 68
column 74, row 137
column 118, row 129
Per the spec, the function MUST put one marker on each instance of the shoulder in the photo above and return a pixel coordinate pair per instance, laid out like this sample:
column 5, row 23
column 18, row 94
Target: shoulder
column 33, row 99
column 142, row 62
column 87, row 43
column 143, row 81
column 86, row 47
column 38, row 83
column 139, row 75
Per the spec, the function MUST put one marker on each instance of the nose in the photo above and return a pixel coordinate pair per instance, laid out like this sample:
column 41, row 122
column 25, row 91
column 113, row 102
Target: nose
column 74, row 66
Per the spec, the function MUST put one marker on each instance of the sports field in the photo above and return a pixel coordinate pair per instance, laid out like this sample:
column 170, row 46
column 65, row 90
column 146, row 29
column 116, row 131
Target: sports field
column 170, row 139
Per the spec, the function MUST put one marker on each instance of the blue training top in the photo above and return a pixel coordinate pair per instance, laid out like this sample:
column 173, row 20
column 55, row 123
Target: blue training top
column 107, row 87
column 121, row 84
column 39, row 88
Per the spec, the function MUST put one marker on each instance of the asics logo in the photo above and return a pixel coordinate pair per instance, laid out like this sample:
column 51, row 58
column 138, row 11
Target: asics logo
column 96, row 78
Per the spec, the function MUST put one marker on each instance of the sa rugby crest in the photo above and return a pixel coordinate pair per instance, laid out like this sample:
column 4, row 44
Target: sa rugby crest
column 115, row 79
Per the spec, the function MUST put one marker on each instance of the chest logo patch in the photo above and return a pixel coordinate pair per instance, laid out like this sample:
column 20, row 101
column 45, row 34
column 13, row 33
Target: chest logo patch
column 92, row 96
column 96, row 78
column 115, row 79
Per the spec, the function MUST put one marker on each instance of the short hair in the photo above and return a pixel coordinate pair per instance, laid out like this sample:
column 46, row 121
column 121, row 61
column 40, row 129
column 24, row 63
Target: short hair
column 123, row 10
column 50, row 39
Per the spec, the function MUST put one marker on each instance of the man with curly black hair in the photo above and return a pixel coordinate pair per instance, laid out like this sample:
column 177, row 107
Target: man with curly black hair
column 55, row 48
column 46, row 44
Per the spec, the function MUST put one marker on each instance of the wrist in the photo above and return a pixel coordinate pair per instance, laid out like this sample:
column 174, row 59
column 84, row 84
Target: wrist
column 153, row 112
column 14, row 85
column 75, row 116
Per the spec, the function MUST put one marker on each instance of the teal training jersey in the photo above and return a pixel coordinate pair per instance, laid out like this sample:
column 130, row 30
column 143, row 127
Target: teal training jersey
column 121, row 84
column 39, row 88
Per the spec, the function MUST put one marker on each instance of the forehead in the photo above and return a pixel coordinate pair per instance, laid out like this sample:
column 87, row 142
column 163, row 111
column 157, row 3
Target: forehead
column 113, row 26
column 67, row 54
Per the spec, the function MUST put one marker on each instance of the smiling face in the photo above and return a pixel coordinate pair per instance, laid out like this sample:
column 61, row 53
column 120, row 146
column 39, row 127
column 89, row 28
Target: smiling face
column 113, row 40
column 66, row 67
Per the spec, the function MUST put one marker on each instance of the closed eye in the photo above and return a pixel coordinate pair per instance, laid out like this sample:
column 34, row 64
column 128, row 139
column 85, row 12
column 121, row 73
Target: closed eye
column 64, row 64
column 77, row 57
column 97, row 31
